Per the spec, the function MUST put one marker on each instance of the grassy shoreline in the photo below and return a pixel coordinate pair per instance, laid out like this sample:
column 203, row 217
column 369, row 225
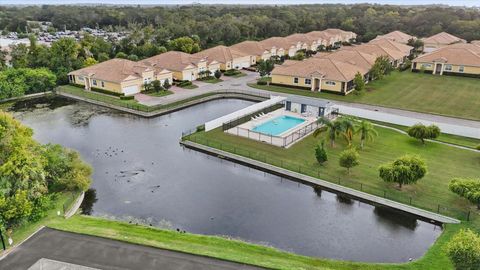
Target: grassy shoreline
column 239, row 251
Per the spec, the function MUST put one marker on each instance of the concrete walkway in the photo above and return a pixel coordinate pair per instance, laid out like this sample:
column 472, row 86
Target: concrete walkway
column 449, row 125
column 105, row 254
column 427, row 215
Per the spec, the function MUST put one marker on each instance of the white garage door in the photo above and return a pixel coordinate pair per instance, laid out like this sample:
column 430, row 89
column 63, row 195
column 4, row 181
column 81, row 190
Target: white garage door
column 130, row 90
column 240, row 65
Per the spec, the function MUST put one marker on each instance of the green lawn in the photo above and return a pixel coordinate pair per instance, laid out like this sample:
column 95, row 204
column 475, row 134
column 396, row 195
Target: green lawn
column 443, row 95
column 191, row 86
column 64, row 199
column 444, row 162
column 212, row 80
column 160, row 93
column 238, row 251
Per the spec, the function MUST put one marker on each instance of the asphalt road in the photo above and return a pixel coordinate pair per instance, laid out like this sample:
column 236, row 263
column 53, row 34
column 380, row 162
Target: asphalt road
column 105, row 254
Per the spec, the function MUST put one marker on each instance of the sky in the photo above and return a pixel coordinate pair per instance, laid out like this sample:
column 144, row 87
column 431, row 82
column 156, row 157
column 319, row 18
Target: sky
column 280, row 2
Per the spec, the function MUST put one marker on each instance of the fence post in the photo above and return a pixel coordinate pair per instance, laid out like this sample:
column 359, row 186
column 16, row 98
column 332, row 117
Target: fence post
column 361, row 187
column 468, row 216
column 438, row 209
column 384, row 194
column 410, row 200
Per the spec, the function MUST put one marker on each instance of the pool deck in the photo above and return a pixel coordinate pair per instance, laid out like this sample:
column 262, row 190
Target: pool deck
column 246, row 129
column 305, row 179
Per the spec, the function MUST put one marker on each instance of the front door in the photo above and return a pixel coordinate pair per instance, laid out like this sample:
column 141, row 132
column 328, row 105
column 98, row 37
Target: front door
column 438, row 69
column 316, row 84
column 288, row 106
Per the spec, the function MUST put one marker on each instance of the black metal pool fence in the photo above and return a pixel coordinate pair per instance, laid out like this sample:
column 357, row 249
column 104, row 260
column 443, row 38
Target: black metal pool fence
column 429, row 203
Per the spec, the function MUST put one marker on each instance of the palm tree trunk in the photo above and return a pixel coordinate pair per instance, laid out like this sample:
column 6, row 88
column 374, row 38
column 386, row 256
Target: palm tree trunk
column 362, row 143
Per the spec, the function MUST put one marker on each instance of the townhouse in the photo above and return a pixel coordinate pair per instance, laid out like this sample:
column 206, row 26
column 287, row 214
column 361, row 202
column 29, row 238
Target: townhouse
column 254, row 49
column 228, row 58
column 185, row 67
column 118, row 75
column 457, row 59
column 335, row 72
column 397, row 36
column 440, row 40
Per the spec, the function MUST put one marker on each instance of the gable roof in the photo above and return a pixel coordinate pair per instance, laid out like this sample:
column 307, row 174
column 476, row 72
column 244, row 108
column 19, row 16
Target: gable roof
column 300, row 37
column 397, row 36
column 362, row 60
column 377, row 51
column 339, row 32
column 393, row 45
column 458, row 54
column 329, row 69
column 443, row 38
column 250, row 47
column 114, row 70
column 277, row 42
column 172, row 60
column 221, row 54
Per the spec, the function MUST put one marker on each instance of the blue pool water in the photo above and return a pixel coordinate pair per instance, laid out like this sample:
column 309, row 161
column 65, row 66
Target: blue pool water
column 278, row 125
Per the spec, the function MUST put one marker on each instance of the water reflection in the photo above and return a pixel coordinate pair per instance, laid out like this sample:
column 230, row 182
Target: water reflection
column 89, row 200
column 142, row 174
column 395, row 218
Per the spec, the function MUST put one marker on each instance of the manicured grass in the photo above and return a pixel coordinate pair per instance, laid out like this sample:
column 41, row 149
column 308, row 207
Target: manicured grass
column 447, row 138
column 160, row 93
column 213, row 80
column 443, row 95
column 444, row 162
column 131, row 104
column 25, row 230
column 238, row 251
column 191, row 86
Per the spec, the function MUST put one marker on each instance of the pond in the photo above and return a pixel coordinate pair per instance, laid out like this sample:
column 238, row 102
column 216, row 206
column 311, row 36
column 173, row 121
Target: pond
column 142, row 173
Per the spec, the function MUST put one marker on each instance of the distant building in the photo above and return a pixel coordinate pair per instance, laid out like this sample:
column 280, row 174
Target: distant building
column 440, row 40
column 397, row 36
column 227, row 57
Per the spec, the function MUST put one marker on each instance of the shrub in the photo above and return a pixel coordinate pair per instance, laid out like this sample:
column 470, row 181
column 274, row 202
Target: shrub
column 217, row 74
column 321, row 154
column 464, row 250
column 478, row 147
column 103, row 91
column 349, row 159
column 232, row 72
column 127, row 97
column 200, row 128
column 262, row 82
column 184, row 83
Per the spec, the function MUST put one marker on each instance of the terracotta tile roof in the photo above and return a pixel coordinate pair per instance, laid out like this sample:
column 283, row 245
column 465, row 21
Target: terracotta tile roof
column 114, row 70
column 443, row 38
column 221, row 54
column 397, row 36
column 328, row 68
column 362, row 60
column 343, row 34
column 299, row 37
column 457, row 54
column 172, row 60
column 393, row 45
column 250, row 47
column 377, row 51
column 277, row 42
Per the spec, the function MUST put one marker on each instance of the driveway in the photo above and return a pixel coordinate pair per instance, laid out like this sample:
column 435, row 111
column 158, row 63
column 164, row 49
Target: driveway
column 105, row 254
column 228, row 83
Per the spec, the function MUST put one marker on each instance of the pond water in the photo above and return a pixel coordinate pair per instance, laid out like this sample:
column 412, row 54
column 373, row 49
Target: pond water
column 142, row 173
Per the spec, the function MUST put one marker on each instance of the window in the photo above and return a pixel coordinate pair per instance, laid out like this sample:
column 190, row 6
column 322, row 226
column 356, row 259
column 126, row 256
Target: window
column 308, row 81
column 295, row 80
column 448, row 67
column 426, row 65
column 80, row 78
column 94, row 82
column 103, row 84
column 461, row 69
column 330, row 83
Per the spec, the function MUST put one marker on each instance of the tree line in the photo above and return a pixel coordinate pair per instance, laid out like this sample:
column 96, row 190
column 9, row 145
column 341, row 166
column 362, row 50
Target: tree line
column 230, row 24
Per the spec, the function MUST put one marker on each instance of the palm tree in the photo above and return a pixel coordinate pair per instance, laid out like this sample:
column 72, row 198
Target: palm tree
column 334, row 128
column 367, row 132
column 348, row 128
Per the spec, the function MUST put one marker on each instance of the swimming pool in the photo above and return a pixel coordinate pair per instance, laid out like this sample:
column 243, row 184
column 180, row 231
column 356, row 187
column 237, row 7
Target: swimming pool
column 278, row 125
